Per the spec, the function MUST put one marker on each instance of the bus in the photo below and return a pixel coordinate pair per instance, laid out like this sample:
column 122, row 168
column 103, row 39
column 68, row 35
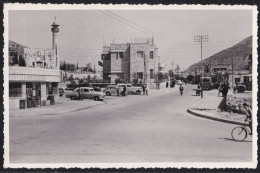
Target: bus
column 206, row 83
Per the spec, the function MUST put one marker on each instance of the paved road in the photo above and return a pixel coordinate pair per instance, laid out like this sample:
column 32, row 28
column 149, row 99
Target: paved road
column 153, row 128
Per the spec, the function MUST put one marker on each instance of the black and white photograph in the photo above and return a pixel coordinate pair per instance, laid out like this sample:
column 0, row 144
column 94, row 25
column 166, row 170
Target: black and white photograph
column 130, row 86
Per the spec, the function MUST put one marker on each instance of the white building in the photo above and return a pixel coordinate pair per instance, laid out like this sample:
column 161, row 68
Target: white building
column 33, row 74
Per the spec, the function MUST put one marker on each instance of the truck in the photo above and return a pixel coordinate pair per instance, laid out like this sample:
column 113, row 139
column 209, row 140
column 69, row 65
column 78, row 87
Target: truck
column 243, row 82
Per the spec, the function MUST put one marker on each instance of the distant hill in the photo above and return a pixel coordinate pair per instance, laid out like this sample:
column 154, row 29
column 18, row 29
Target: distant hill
column 238, row 52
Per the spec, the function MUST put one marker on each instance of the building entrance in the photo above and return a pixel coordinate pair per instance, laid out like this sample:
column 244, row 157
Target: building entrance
column 33, row 94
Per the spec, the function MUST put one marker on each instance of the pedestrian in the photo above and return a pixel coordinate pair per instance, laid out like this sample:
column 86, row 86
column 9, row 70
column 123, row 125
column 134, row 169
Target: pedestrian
column 219, row 90
column 146, row 89
column 181, row 89
column 225, row 90
column 198, row 90
column 117, row 91
column 248, row 112
column 167, row 84
column 80, row 95
column 124, row 91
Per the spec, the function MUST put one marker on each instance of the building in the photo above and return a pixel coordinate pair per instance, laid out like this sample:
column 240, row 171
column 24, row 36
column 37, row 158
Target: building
column 33, row 74
column 130, row 62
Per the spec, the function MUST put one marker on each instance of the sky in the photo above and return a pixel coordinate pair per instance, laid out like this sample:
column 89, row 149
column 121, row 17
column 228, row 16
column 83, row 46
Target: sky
column 83, row 33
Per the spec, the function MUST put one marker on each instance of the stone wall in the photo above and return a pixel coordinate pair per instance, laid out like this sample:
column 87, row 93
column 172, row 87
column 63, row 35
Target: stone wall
column 137, row 63
column 44, row 57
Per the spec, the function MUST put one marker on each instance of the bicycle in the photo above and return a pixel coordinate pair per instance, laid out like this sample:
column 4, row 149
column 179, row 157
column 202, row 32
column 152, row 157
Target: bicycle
column 240, row 133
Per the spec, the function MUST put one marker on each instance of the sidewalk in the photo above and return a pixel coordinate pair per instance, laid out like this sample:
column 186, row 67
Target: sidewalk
column 207, row 107
column 64, row 105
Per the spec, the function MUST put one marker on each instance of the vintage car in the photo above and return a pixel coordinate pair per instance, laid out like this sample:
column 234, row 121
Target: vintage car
column 112, row 90
column 86, row 93
column 130, row 89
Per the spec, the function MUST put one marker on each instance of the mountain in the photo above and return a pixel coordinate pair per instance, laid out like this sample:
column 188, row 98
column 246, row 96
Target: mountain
column 238, row 52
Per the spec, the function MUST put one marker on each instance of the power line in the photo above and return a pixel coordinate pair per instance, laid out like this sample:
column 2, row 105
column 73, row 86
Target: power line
column 139, row 26
column 120, row 20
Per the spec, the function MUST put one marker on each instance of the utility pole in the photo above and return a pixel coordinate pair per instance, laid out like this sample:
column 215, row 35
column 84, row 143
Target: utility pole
column 201, row 39
column 144, row 68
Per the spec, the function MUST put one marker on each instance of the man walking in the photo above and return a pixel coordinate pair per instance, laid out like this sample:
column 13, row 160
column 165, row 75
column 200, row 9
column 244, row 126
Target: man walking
column 146, row 89
column 80, row 95
column 117, row 91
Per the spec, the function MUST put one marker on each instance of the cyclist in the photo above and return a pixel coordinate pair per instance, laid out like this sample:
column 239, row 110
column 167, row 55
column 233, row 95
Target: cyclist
column 248, row 112
column 181, row 89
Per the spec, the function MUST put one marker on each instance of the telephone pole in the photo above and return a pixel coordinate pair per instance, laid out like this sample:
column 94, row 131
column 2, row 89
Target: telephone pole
column 201, row 39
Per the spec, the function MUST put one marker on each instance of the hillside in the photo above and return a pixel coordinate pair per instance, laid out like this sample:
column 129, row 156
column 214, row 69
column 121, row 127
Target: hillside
column 238, row 52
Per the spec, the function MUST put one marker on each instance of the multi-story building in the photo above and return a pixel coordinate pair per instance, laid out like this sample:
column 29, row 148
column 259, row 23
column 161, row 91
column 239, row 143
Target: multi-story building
column 33, row 74
column 131, row 61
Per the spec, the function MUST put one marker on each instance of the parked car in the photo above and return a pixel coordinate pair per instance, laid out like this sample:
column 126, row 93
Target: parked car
column 112, row 90
column 131, row 89
column 178, row 82
column 87, row 93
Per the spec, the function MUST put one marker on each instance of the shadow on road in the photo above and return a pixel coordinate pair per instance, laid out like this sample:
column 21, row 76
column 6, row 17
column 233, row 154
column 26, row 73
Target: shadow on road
column 230, row 139
column 194, row 95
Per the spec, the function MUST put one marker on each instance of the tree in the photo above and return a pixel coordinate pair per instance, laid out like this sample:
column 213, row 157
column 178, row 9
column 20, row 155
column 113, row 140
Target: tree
column 170, row 72
column 88, row 67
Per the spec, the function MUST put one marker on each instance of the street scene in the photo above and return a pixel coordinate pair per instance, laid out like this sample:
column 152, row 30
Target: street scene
column 131, row 86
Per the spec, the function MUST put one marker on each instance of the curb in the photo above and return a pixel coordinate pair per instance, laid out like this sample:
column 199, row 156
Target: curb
column 216, row 119
column 60, row 112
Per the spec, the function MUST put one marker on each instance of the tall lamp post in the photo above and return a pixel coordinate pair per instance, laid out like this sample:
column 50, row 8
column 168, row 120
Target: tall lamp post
column 201, row 39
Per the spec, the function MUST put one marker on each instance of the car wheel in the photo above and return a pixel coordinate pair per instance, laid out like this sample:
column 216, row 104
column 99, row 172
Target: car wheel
column 138, row 92
column 108, row 93
column 96, row 98
column 73, row 98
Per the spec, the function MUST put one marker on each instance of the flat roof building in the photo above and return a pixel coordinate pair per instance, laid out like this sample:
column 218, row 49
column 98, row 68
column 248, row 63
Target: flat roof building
column 33, row 74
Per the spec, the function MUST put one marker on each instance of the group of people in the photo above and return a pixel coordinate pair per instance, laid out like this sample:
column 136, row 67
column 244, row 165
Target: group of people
column 145, row 89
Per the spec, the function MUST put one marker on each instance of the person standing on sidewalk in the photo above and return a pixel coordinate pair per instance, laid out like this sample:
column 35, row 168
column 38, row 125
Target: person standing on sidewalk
column 167, row 84
column 146, row 89
column 79, row 93
column 181, row 89
column 117, row 91
column 248, row 112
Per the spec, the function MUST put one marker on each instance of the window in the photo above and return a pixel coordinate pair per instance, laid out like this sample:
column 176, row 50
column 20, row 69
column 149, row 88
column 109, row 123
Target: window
column 237, row 80
column 15, row 89
column 120, row 75
column 140, row 54
column 140, row 75
column 151, row 54
column 86, row 90
column 128, row 85
column 121, row 54
column 151, row 74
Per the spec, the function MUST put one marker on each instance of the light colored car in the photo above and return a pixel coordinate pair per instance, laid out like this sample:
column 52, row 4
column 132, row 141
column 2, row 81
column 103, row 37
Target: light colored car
column 131, row 89
column 87, row 93
column 112, row 90
column 178, row 82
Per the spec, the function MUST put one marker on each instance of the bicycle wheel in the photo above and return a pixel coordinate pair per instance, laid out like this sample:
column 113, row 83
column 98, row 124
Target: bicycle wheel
column 239, row 133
